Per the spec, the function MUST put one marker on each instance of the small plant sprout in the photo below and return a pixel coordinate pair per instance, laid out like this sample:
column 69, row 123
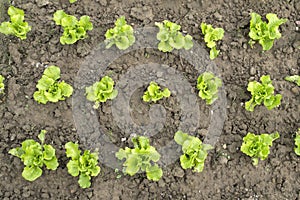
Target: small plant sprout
column 141, row 157
column 293, row 79
column 211, row 35
column 74, row 30
column 154, row 93
column 121, row 35
column 258, row 146
column 84, row 166
column 34, row 156
column 2, row 84
column 208, row 85
column 194, row 151
column 263, row 32
column 297, row 142
column 50, row 89
column 101, row 91
column 72, row 1
column 170, row 37
column 16, row 26
column 262, row 93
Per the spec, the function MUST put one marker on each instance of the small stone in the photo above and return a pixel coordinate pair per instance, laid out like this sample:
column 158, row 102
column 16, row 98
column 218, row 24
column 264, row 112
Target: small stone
column 223, row 160
column 178, row 172
column 295, row 90
column 252, row 71
column 218, row 16
column 103, row 2
column 159, row 74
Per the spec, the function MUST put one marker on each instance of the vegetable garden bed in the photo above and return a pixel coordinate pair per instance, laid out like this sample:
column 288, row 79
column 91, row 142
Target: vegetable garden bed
column 83, row 61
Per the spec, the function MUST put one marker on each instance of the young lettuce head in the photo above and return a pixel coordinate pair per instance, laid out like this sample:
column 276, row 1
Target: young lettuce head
column 211, row 36
column 262, row 93
column 170, row 37
column 154, row 93
column 34, row 156
column 50, row 89
column 16, row 26
column 101, row 91
column 141, row 158
column 121, row 35
column 265, row 33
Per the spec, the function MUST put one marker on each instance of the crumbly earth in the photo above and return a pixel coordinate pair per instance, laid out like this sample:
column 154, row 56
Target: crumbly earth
column 228, row 173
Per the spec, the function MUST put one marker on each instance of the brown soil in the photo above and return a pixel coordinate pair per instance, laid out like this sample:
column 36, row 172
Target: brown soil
column 228, row 173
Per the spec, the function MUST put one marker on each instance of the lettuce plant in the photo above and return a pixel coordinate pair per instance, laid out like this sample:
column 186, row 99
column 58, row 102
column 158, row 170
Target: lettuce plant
column 263, row 32
column 194, row 151
column 72, row 1
column 85, row 166
column 208, row 85
column 74, row 30
column 258, row 146
column 297, row 142
column 101, row 91
column 211, row 35
column 141, row 157
column 170, row 37
column 16, row 26
column 294, row 79
column 34, row 156
column 154, row 93
column 2, row 84
column 121, row 35
column 50, row 89
column 262, row 93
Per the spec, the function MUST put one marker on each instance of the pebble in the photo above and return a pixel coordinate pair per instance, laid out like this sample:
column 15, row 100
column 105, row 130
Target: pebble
column 295, row 90
column 218, row 16
column 178, row 172
column 252, row 71
column 223, row 160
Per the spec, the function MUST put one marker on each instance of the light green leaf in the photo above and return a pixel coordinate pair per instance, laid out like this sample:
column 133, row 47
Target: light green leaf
column 72, row 150
column 31, row 173
column 132, row 165
column 73, row 167
column 40, row 97
column 51, row 164
column 180, row 137
column 66, row 89
column 52, row 72
column 154, row 173
column 41, row 136
column 84, row 181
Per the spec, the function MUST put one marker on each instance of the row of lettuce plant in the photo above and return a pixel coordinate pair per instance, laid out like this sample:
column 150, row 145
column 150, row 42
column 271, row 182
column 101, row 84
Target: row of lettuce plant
column 169, row 35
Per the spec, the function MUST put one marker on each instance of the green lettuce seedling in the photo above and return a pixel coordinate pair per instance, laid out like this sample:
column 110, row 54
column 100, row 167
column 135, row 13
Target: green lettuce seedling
column 297, row 142
column 294, row 79
column 258, row 146
column 121, row 35
column 85, row 166
column 34, row 156
column 2, row 84
column 72, row 1
column 265, row 33
column 154, row 93
column 141, row 157
column 262, row 93
column 74, row 30
column 208, row 85
column 194, row 151
column 101, row 91
column 211, row 35
column 170, row 37
column 50, row 89
column 16, row 26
